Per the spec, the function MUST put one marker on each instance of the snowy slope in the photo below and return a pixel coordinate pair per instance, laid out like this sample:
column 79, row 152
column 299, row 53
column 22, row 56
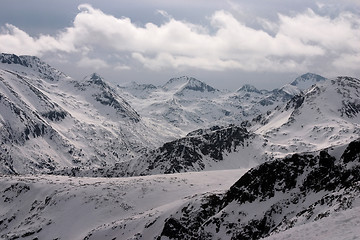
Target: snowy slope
column 285, row 195
column 38, row 67
column 340, row 225
column 50, row 207
column 275, row 196
column 50, row 121
column 185, row 104
column 181, row 105
column 328, row 114
column 306, row 80
column 217, row 148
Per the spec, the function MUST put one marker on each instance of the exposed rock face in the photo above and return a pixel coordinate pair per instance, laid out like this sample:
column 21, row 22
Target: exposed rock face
column 189, row 153
column 39, row 67
column 107, row 96
column 273, row 197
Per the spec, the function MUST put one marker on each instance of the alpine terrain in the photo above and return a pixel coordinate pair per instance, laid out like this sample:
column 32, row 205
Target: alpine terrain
column 89, row 159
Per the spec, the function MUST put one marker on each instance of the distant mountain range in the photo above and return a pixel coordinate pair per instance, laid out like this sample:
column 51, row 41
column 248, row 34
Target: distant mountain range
column 246, row 164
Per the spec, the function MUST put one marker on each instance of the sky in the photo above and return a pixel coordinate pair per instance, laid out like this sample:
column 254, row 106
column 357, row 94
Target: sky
column 226, row 44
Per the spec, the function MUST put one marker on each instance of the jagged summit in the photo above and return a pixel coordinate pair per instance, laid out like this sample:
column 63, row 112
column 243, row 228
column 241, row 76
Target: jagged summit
column 107, row 96
column 185, row 84
column 96, row 79
column 40, row 68
column 12, row 59
column 248, row 88
column 307, row 80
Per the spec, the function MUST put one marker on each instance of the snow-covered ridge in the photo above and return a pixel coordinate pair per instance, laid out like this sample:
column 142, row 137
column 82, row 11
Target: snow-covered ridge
column 107, row 96
column 48, row 125
column 325, row 115
column 296, row 192
column 184, row 83
column 274, row 197
column 187, row 104
column 249, row 88
column 307, row 80
column 18, row 63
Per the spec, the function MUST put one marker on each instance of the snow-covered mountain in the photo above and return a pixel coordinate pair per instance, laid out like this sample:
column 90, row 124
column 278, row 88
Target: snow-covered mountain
column 50, row 121
column 195, row 142
column 327, row 114
column 182, row 104
column 217, row 148
column 185, row 104
column 274, row 197
column 301, row 191
column 38, row 67
column 305, row 81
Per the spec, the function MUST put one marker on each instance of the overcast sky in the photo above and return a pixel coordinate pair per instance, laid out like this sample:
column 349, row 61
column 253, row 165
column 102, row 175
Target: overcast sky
column 266, row 43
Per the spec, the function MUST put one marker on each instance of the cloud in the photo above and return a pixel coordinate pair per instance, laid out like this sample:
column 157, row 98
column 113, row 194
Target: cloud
column 14, row 40
column 95, row 63
column 292, row 43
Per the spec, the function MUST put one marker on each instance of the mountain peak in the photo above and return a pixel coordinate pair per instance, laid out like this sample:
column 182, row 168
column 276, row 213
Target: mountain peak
column 248, row 88
column 185, row 83
column 307, row 80
column 41, row 68
column 96, row 79
column 12, row 59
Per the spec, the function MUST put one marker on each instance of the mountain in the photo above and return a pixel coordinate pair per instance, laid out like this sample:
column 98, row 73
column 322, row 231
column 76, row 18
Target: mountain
column 278, row 198
column 38, row 67
column 187, row 85
column 96, row 88
column 50, row 121
column 230, row 147
column 325, row 115
column 181, row 105
column 249, row 89
column 274, row 197
column 248, row 164
column 306, row 80
column 185, row 104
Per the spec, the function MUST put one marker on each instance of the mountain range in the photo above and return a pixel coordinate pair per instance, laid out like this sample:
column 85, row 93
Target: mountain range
column 181, row 161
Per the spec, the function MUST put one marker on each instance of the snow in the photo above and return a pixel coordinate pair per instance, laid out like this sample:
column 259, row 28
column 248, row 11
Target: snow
column 79, row 206
column 103, row 125
column 290, row 89
column 344, row 225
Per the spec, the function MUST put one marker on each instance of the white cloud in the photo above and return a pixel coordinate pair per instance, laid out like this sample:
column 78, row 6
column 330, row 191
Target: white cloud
column 296, row 42
column 14, row 40
column 95, row 63
column 120, row 67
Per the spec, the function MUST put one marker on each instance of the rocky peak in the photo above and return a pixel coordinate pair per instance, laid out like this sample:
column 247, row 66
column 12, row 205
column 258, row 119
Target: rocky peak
column 248, row 88
column 12, row 59
column 186, row 83
column 41, row 68
column 96, row 79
